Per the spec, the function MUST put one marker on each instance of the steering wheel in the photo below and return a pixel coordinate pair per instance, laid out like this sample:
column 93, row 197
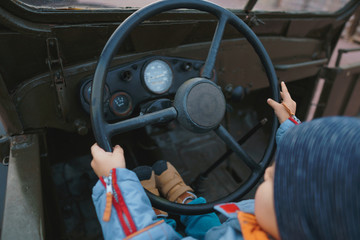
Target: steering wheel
column 199, row 103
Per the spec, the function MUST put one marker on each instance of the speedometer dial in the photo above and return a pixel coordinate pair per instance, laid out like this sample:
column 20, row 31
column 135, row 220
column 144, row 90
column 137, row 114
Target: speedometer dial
column 158, row 76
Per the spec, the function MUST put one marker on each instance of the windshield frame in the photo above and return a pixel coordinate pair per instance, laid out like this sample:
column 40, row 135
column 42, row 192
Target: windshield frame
column 48, row 17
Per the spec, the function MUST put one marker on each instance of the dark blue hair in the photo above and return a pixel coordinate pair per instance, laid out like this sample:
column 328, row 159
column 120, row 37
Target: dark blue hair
column 317, row 180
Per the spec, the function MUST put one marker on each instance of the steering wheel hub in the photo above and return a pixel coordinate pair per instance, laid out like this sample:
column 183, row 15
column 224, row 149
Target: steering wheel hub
column 200, row 104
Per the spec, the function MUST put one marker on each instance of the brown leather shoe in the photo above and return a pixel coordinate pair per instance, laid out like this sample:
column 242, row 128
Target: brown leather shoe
column 147, row 179
column 170, row 183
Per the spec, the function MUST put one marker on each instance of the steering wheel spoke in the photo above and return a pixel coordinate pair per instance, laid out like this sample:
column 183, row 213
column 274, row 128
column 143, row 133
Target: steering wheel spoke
column 232, row 143
column 164, row 115
column 214, row 48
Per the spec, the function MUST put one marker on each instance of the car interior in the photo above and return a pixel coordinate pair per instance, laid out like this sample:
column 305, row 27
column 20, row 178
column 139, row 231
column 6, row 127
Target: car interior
column 184, row 81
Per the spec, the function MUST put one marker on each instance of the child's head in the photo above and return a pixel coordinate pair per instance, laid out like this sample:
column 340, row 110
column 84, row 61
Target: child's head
column 315, row 186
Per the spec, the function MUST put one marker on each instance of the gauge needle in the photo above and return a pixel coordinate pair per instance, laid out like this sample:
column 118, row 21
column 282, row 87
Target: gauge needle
column 160, row 75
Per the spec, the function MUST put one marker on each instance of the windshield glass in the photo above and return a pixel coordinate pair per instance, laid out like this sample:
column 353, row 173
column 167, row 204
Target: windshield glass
column 122, row 4
column 261, row 5
column 300, row 5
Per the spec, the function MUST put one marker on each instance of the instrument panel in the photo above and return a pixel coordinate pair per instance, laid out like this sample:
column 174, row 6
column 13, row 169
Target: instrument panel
column 130, row 85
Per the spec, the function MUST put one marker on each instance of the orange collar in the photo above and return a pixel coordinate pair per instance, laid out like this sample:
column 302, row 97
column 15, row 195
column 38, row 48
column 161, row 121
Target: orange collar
column 250, row 228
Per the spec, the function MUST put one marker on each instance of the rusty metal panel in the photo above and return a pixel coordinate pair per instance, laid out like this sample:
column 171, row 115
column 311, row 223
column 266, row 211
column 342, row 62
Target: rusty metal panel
column 337, row 94
column 353, row 105
column 344, row 96
column 23, row 214
column 306, row 28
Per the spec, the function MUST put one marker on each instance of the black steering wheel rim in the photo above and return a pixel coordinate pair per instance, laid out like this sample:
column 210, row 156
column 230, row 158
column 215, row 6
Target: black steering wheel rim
column 103, row 131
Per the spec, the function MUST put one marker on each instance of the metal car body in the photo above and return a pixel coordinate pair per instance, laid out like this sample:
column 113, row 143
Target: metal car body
column 49, row 53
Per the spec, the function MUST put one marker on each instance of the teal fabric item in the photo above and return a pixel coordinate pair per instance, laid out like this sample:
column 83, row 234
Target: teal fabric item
column 196, row 226
column 171, row 222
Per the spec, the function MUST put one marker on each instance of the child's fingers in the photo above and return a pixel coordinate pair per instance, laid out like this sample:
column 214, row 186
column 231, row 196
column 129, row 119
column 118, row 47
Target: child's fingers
column 92, row 164
column 285, row 93
column 273, row 103
column 282, row 95
column 96, row 151
column 95, row 167
column 94, row 145
column 284, row 88
column 94, row 148
column 118, row 150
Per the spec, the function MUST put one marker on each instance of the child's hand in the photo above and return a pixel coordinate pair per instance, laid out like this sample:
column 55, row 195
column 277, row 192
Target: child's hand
column 103, row 161
column 281, row 112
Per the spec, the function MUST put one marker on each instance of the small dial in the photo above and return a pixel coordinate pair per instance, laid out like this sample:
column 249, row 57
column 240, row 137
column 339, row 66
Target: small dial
column 121, row 104
column 87, row 92
column 158, row 76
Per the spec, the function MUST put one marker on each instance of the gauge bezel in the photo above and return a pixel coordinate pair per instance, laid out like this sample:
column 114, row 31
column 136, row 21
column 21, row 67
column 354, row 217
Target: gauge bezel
column 84, row 89
column 128, row 110
column 143, row 75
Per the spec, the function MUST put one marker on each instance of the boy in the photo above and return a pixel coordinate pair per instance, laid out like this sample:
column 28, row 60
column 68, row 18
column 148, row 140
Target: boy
column 312, row 192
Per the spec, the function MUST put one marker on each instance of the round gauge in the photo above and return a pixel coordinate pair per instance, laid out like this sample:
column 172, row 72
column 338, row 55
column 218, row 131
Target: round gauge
column 87, row 92
column 121, row 104
column 158, row 76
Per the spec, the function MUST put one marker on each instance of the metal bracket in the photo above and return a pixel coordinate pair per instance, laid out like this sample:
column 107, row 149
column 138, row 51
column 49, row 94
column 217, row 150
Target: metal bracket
column 56, row 69
column 342, row 51
column 284, row 67
column 252, row 20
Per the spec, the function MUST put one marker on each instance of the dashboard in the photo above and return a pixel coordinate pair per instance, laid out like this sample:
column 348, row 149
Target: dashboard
column 141, row 86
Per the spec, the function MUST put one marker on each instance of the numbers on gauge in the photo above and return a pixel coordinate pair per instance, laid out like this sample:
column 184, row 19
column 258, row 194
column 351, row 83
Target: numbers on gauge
column 158, row 76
